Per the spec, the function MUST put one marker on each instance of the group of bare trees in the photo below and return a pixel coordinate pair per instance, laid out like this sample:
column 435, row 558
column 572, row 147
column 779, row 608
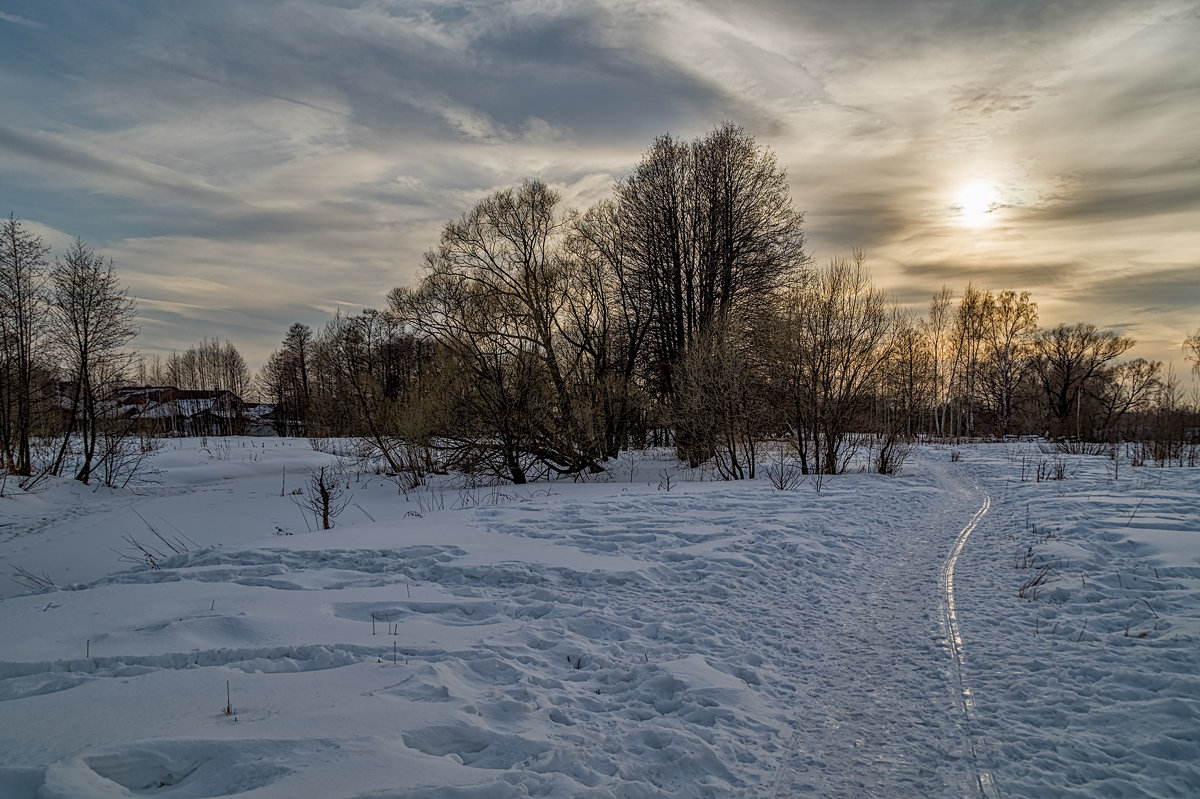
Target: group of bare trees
column 543, row 340
column 210, row 366
column 683, row 310
column 64, row 326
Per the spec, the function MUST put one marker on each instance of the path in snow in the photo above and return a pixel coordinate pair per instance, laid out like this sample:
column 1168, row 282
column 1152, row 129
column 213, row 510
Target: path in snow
column 878, row 702
column 715, row 640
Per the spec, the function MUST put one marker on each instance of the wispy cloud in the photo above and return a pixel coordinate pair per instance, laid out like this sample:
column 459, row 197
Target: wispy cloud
column 248, row 165
column 16, row 19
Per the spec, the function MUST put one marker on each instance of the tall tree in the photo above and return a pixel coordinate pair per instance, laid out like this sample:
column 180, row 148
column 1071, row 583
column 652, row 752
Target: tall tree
column 373, row 379
column 1191, row 351
column 285, row 378
column 936, row 327
column 908, row 385
column 24, row 304
column 209, row 366
column 970, row 321
column 603, row 325
column 711, row 237
column 1127, row 387
column 493, row 294
column 95, row 318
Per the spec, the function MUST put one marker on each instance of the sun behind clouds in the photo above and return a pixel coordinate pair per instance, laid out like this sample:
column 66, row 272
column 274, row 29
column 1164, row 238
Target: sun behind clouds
column 976, row 204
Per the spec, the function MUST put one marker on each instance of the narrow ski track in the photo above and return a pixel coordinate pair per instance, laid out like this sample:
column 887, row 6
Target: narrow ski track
column 983, row 777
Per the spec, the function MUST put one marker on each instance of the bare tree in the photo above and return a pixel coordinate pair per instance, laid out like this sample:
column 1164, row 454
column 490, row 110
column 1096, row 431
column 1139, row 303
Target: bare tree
column 1009, row 324
column 328, row 495
column 711, row 237
column 835, row 336
column 209, row 366
column 493, row 296
column 285, row 380
column 724, row 410
column 1068, row 359
column 970, row 323
column 24, row 326
column 1126, row 388
column 936, row 328
column 603, row 326
column 95, row 319
column 1191, row 351
column 373, row 379
column 906, row 390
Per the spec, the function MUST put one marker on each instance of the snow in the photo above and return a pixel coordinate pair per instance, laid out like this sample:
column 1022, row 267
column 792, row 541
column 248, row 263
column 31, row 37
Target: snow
column 607, row 638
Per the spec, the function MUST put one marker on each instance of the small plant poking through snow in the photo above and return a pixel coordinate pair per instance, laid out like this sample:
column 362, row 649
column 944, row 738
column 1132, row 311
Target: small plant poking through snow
column 34, row 582
column 150, row 554
column 784, row 473
column 327, row 496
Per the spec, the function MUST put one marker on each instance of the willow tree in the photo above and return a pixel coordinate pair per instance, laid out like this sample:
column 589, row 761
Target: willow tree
column 493, row 296
column 1068, row 361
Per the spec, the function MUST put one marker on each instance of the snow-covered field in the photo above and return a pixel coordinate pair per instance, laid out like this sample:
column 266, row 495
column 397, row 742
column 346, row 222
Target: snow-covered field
column 610, row 638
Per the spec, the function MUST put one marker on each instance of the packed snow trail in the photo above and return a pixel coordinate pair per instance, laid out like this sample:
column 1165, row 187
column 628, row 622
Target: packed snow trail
column 878, row 715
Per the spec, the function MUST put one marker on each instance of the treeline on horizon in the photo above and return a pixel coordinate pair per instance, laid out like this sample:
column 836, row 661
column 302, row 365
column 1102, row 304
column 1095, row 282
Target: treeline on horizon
column 542, row 340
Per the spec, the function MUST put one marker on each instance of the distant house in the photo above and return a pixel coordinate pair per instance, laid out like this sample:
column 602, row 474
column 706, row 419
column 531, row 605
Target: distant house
column 170, row 411
column 262, row 419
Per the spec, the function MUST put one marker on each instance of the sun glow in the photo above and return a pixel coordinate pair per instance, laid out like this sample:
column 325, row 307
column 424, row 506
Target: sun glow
column 976, row 203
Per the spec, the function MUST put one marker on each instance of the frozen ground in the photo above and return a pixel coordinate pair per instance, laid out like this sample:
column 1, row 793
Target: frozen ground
column 607, row 639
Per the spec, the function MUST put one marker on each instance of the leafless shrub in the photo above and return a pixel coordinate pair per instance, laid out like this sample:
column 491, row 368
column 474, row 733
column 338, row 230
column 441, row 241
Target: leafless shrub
column 784, row 473
column 124, row 458
column 892, row 454
column 327, row 495
column 34, row 582
column 429, row 500
column 1071, row 447
column 1052, row 469
column 1030, row 588
column 152, row 554
column 343, row 448
column 221, row 450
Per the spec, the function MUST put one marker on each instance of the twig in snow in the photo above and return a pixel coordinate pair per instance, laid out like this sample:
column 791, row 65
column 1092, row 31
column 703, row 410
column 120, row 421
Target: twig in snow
column 1135, row 510
column 360, row 507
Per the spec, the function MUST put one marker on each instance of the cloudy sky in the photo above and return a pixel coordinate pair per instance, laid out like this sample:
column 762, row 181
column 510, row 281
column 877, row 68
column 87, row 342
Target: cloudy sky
column 252, row 164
